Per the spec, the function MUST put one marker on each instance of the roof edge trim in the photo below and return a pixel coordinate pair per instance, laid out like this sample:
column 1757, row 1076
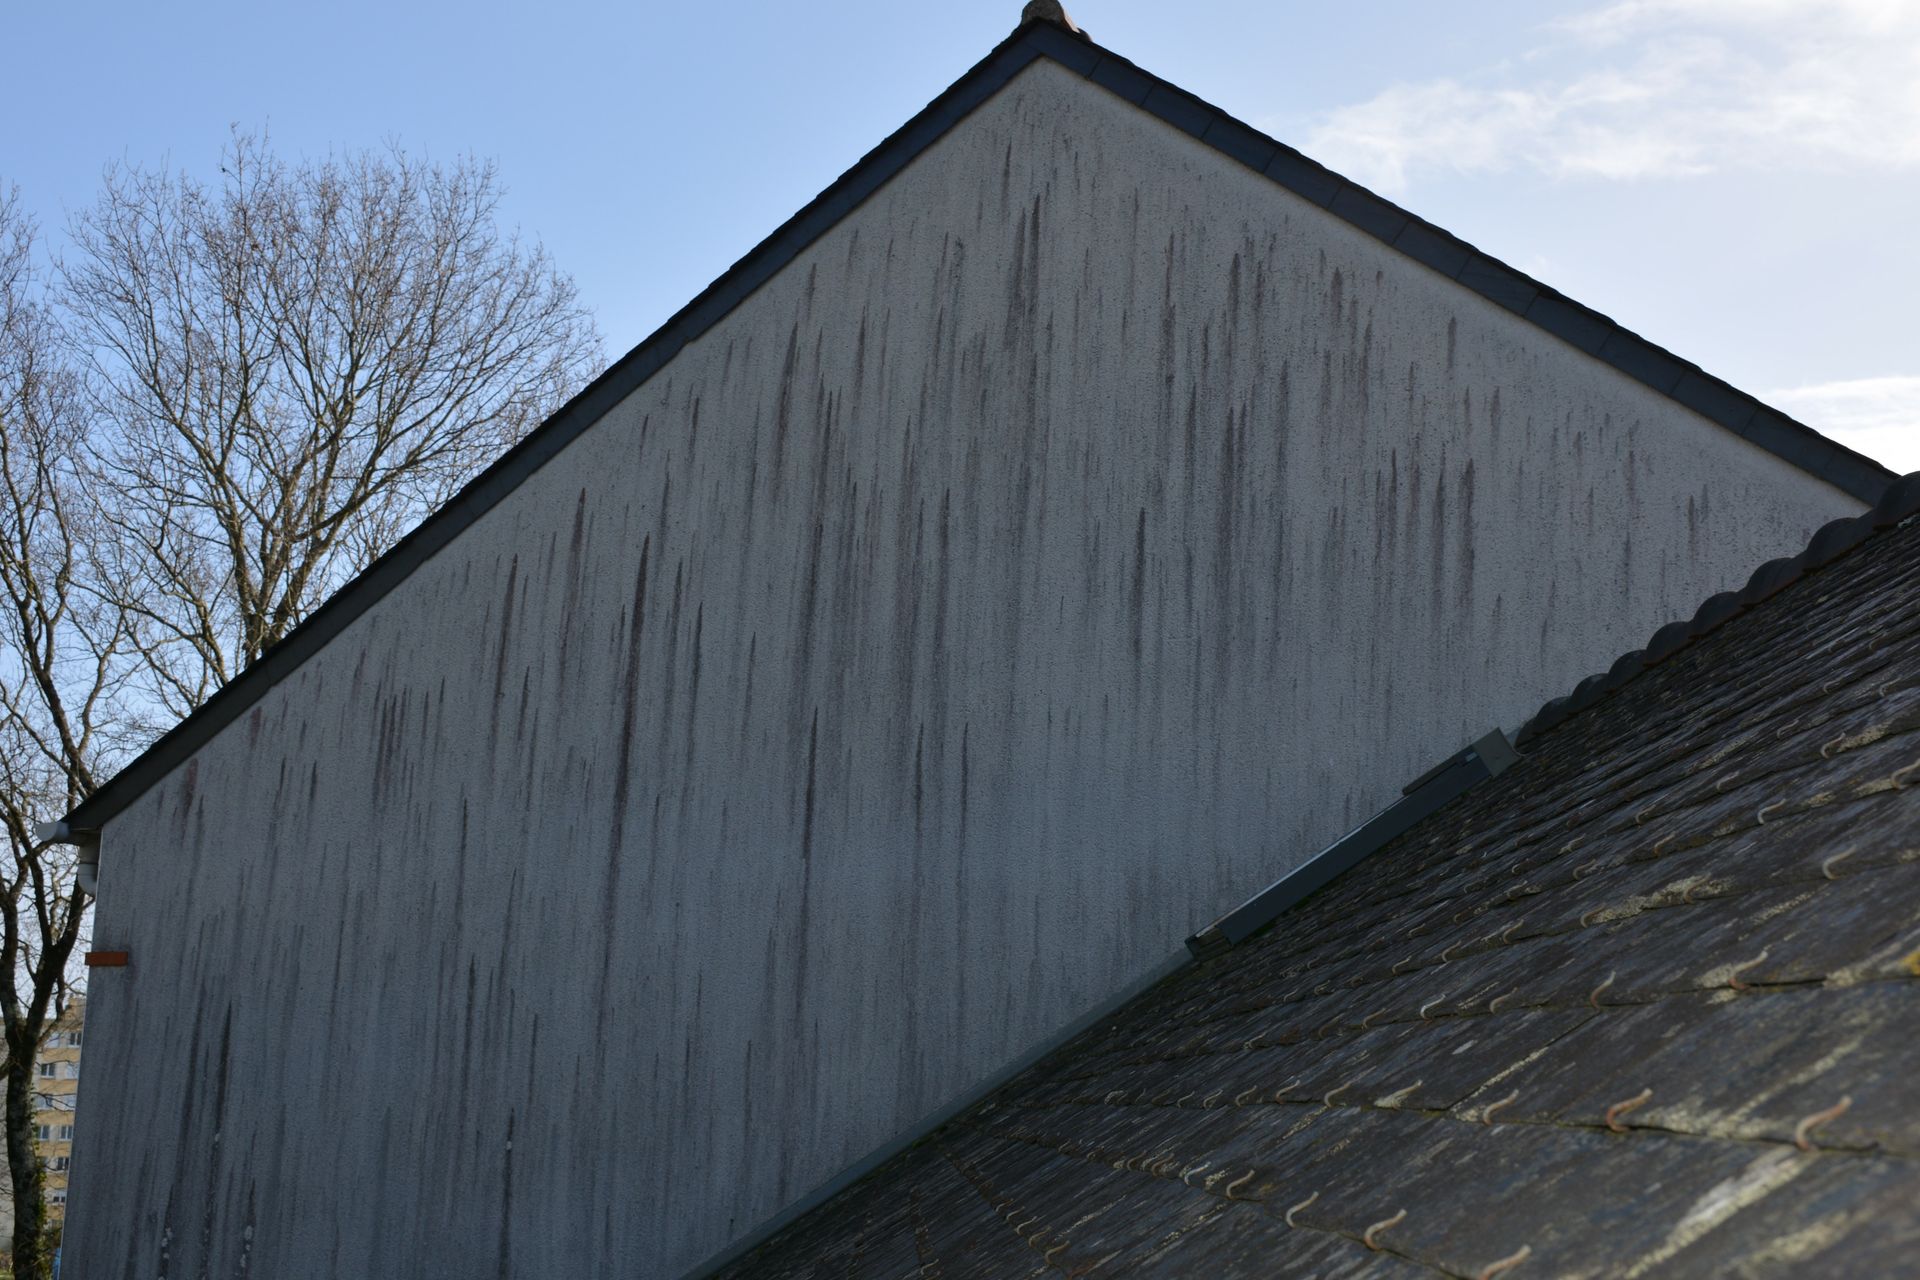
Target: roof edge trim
column 1414, row 237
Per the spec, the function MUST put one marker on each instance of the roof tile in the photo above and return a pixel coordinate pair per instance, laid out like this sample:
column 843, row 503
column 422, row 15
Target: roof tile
column 1433, row 247
column 1584, row 328
column 1635, row 356
column 1370, row 213
column 1303, row 177
column 1117, row 75
column 1248, row 146
column 1499, row 283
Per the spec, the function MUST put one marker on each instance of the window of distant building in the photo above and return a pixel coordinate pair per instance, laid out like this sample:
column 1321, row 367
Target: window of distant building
column 73, row 1040
column 45, row 1132
column 59, row 1164
column 57, row 1196
column 47, row 1069
column 66, row 1133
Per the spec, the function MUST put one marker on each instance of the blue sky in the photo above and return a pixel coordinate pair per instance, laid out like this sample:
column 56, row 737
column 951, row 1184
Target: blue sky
column 1736, row 179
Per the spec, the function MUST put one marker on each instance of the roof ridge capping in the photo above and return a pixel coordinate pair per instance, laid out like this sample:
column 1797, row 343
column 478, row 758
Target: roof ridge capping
column 1832, row 541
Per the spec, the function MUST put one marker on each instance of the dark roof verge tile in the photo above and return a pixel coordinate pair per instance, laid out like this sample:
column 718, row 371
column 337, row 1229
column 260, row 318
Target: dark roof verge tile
column 1770, row 578
column 1311, row 182
column 1715, row 400
column 1586, row 693
column 1836, row 538
column 1624, row 668
column 1714, row 610
column 1666, row 642
column 1117, row 75
column 1178, row 108
column 1901, row 500
column 1432, row 247
column 1777, row 433
column 1634, row 355
column 1249, row 146
column 1570, row 322
column 1497, row 282
column 1370, row 213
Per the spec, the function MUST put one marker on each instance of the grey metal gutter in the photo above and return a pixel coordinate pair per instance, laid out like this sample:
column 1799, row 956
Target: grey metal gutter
column 1582, row 327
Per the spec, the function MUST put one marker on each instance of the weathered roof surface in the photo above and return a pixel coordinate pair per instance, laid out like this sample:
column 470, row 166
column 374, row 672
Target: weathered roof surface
column 1430, row 246
column 1643, row 1005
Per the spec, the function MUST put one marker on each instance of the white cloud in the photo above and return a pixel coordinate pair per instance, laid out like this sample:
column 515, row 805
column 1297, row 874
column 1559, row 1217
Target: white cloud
column 1880, row 417
column 1660, row 88
column 1625, row 16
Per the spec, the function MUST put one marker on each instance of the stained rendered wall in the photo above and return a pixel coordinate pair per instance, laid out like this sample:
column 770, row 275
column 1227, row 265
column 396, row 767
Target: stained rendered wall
column 1076, row 538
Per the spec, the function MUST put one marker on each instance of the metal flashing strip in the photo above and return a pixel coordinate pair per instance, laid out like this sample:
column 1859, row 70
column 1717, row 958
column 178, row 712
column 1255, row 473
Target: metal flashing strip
column 1453, row 777
column 1583, row 328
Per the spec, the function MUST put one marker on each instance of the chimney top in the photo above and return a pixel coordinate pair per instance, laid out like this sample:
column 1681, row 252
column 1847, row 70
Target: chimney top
column 1050, row 11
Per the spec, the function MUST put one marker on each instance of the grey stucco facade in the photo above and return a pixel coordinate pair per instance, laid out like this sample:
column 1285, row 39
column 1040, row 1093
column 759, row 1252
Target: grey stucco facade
column 1077, row 536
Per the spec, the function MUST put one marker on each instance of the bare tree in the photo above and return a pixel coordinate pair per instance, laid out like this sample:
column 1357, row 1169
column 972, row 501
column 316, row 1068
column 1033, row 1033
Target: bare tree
column 226, row 402
column 61, row 650
column 297, row 365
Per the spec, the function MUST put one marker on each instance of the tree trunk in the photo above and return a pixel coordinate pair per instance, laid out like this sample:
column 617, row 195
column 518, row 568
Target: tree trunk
column 23, row 1162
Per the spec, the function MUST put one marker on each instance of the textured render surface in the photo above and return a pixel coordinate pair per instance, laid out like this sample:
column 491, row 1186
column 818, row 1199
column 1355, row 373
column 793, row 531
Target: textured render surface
column 1078, row 535
column 1645, row 1005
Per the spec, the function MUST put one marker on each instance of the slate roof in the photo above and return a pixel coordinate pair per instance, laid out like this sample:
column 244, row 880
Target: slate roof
column 1645, row 1004
column 1430, row 246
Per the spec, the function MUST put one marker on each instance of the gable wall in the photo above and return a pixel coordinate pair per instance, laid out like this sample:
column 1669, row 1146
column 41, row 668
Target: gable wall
column 1075, row 538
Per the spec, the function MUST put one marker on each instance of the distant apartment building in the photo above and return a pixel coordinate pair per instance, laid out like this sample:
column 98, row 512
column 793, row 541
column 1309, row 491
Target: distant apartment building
column 56, row 1087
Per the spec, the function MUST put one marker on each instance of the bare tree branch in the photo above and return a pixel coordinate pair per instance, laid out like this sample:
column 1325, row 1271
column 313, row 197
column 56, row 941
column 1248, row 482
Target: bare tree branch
column 61, row 649
column 225, row 402
column 302, row 357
